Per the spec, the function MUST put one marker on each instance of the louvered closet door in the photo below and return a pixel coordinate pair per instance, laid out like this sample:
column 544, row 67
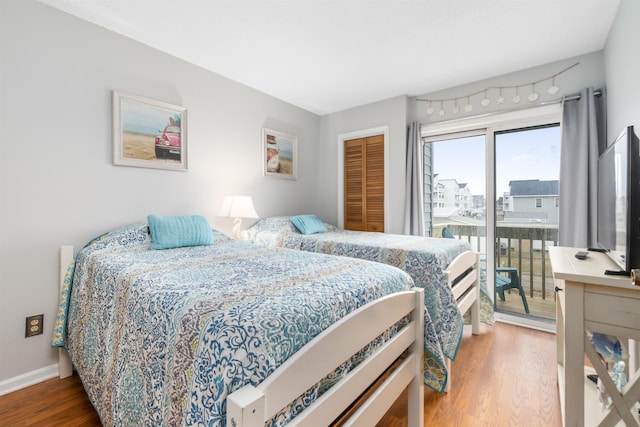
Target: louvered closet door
column 353, row 189
column 364, row 184
column 374, row 183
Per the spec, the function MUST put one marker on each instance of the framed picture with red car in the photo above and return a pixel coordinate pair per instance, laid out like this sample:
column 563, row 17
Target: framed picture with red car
column 148, row 133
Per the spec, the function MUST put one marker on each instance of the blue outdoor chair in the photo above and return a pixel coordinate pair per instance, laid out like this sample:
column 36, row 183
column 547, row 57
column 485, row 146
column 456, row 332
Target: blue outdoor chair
column 510, row 281
column 447, row 234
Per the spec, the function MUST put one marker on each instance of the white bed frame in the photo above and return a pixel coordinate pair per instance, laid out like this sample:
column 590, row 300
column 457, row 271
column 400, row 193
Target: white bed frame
column 466, row 291
column 395, row 366
column 252, row 406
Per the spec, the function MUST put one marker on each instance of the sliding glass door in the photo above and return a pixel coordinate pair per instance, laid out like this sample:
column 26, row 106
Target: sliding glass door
column 458, row 183
column 527, row 171
column 496, row 184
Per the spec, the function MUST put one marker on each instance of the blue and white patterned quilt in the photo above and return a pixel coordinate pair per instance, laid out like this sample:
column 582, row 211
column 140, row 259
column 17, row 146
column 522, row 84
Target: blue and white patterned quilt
column 161, row 337
column 425, row 259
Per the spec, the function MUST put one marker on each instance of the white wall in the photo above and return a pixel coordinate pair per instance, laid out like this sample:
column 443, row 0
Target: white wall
column 392, row 113
column 622, row 67
column 58, row 184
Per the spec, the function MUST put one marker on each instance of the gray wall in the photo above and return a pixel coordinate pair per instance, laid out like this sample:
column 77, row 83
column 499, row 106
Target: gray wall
column 391, row 113
column 622, row 65
column 58, row 182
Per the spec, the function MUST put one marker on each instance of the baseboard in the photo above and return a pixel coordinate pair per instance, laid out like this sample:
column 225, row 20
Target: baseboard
column 27, row 379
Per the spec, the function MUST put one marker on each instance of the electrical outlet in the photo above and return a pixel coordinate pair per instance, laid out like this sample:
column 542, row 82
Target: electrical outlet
column 34, row 325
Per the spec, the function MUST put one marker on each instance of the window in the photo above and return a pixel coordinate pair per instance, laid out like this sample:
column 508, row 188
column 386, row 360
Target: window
column 538, row 202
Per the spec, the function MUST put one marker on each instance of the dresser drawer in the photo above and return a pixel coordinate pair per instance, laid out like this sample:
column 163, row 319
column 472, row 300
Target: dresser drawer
column 620, row 310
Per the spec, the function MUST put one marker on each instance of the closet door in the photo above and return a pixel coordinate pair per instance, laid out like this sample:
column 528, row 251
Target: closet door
column 364, row 184
column 353, row 188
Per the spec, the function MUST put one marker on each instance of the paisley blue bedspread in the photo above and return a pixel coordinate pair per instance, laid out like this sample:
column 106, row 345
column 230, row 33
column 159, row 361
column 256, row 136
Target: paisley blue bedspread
column 161, row 337
column 425, row 259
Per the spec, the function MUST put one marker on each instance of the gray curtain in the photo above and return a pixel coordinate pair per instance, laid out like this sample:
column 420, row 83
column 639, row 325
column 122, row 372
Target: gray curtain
column 414, row 191
column 583, row 139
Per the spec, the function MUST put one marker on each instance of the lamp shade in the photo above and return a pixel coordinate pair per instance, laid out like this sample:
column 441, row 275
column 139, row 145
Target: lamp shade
column 238, row 207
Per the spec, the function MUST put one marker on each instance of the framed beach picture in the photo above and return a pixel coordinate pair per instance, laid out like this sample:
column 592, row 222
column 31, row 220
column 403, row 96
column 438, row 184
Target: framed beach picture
column 279, row 154
column 148, row 133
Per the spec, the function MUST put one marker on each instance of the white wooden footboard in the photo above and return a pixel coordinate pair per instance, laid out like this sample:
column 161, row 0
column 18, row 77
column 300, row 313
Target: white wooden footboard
column 252, row 406
column 65, row 367
column 463, row 275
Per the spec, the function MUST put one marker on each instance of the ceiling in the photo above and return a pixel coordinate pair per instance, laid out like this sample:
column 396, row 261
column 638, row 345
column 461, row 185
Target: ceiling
column 330, row 55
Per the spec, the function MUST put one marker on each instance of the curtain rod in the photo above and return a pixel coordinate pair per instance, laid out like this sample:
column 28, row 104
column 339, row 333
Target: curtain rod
column 597, row 92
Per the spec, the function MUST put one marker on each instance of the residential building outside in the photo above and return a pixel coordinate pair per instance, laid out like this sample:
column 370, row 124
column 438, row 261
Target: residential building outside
column 530, row 201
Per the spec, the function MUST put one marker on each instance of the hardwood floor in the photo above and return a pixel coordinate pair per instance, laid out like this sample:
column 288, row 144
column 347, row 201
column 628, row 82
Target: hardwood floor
column 506, row 376
column 51, row 403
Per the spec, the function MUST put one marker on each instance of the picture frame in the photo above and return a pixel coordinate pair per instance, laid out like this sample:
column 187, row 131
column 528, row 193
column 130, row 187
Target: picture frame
column 148, row 133
column 279, row 154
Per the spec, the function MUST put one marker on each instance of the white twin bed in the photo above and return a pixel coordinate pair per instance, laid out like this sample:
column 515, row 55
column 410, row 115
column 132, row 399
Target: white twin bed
column 239, row 334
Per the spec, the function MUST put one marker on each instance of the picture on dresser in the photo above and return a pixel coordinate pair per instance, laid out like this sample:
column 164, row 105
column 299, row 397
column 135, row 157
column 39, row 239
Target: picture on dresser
column 279, row 154
column 148, row 133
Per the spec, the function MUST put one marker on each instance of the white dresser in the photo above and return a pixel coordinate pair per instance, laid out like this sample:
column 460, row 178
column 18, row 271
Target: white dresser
column 589, row 300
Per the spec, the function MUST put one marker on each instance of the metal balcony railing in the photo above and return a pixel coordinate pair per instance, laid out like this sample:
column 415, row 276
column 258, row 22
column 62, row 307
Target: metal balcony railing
column 522, row 246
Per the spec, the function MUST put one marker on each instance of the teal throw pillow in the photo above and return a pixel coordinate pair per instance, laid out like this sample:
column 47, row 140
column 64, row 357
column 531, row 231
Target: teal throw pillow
column 309, row 224
column 179, row 231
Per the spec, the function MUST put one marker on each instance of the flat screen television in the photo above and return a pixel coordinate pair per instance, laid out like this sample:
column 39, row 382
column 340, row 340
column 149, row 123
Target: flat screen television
column 619, row 201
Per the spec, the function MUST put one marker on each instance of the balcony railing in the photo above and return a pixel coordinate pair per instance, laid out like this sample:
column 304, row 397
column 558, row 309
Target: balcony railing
column 522, row 246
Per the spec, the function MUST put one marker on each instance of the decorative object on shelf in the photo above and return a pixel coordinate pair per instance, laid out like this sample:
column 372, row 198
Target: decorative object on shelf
column 148, row 133
column 516, row 98
column 533, row 96
column 500, row 99
column 485, row 100
column 553, row 89
column 237, row 207
column 279, row 154
column 468, row 107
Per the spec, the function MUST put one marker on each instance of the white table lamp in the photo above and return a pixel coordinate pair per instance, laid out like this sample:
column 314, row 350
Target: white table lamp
column 237, row 207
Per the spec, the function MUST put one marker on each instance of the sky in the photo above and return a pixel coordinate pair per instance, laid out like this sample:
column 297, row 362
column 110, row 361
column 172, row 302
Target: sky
column 528, row 154
column 144, row 118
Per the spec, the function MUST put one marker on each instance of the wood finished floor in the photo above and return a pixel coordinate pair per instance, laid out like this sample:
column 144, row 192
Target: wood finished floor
column 506, row 376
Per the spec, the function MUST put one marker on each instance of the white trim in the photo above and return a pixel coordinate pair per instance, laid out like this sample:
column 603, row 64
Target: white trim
column 526, row 321
column 380, row 130
column 28, row 379
column 514, row 119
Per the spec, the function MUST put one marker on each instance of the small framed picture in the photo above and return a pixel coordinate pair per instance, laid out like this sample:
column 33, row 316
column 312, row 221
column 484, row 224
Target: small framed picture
column 279, row 154
column 148, row 133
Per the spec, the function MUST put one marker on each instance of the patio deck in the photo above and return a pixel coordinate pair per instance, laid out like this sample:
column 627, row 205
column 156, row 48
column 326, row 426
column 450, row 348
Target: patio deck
column 539, row 307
